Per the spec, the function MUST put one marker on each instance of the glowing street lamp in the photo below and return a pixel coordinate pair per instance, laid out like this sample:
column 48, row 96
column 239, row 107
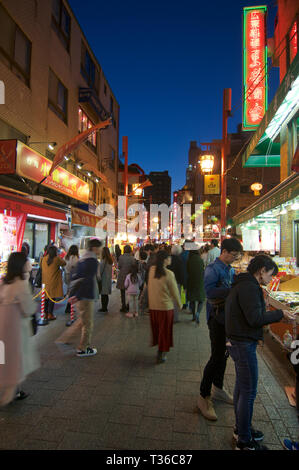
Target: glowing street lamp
column 206, row 163
column 256, row 188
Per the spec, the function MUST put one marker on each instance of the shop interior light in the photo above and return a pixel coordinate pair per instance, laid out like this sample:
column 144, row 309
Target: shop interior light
column 206, row 163
column 286, row 110
column 79, row 166
column 89, row 174
column 96, row 180
column 66, row 158
column 295, row 206
column 283, row 211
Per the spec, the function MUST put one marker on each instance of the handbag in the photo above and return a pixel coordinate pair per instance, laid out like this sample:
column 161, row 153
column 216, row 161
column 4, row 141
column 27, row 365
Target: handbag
column 34, row 324
column 38, row 278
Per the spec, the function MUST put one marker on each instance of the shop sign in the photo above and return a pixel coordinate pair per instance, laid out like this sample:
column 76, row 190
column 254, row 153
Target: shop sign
column 8, row 152
column 254, row 66
column 35, row 167
column 286, row 193
column 212, row 184
column 8, row 232
column 84, row 218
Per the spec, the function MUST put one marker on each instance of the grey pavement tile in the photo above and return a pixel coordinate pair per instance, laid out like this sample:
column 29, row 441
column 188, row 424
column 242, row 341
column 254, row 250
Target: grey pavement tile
column 49, row 429
column 293, row 433
column 189, row 365
column 80, row 441
column 131, row 397
column 189, row 376
column 225, row 414
column 159, row 408
column 289, row 416
column 220, row 438
column 163, row 379
column 187, row 388
column 126, row 414
column 152, row 444
column 22, row 413
column 89, row 423
column 37, row 444
column 270, row 434
column 189, row 423
column 162, row 392
column 156, row 428
column 260, row 412
column 120, row 436
column 12, row 435
column 272, row 412
column 185, row 441
column 186, row 403
column 280, row 428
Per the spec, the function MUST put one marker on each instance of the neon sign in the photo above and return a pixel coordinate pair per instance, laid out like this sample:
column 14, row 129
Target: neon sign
column 255, row 83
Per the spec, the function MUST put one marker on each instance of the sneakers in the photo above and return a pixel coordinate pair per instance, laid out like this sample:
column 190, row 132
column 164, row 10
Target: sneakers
column 161, row 357
column 290, row 445
column 87, row 352
column 21, row 395
column 206, row 408
column 222, row 395
column 255, row 434
column 129, row 315
column 251, row 445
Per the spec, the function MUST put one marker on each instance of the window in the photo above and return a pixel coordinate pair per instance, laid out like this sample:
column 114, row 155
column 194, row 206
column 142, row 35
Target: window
column 61, row 22
column 15, row 48
column 89, row 69
column 58, row 97
column 85, row 123
column 112, row 159
column 105, row 89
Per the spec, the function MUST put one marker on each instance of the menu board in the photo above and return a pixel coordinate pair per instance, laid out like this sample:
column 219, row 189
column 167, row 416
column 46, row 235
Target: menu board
column 8, row 235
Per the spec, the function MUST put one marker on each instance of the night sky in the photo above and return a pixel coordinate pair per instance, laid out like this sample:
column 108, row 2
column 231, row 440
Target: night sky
column 167, row 62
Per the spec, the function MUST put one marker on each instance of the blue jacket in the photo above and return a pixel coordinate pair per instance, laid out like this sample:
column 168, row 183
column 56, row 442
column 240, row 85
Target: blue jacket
column 84, row 279
column 218, row 279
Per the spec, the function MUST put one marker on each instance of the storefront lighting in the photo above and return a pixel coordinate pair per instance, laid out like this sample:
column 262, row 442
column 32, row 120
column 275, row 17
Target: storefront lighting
column 89, row 174
column 256, row 188
column 79, row 166
column 295, row 206
column 96, row 180
column 283, row 211
column 286, row 110
column 66, row 158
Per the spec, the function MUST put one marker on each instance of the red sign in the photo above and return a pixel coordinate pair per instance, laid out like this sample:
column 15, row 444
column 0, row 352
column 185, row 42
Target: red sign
column 254, row 66
column 80, row 217
column 8, row 152
column 293, row 41
column 35, row 167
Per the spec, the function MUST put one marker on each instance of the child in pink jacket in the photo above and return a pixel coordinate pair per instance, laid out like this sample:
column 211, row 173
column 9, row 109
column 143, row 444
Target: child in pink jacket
column 133, row 283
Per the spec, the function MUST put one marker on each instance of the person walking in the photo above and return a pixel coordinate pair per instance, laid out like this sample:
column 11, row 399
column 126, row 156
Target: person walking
column 162, row 293
column 133, row 283
column 84, row 287
column 16, row 310
column 52, row 278
column 177, row 267
column 184, row 255
column 125, row 264
column 218, row 278
column 245, row 316
column 214, row 252
column 106, row 278
column 195, row 286
column 71, row 260
column 117, row 252
column 204, row 250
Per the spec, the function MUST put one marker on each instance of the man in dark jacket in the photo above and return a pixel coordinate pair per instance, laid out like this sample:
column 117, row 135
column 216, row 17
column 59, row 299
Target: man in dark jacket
column 218, row 278
column 84, row 285
column 245, row 316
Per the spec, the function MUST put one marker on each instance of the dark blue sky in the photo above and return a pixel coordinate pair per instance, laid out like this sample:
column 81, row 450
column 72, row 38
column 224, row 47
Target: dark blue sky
column 167, row 62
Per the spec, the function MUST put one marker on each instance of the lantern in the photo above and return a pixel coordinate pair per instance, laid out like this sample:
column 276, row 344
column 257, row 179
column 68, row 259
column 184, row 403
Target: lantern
column 227, row 202
column 256, row 188
column 206, row 204
column 206, row 163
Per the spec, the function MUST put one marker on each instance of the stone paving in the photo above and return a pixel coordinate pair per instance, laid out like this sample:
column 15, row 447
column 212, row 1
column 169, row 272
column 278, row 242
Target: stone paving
column 121, row 399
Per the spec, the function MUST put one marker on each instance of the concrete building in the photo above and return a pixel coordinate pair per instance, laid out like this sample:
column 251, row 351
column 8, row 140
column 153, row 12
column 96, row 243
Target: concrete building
column 55, row 88
column 160, row 191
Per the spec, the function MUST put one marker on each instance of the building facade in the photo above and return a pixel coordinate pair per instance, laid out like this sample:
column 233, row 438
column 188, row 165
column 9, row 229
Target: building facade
column 54, row 89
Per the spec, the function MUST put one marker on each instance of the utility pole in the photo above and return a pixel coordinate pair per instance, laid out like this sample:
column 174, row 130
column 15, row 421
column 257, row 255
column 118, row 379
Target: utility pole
column 125, row 155
column 227, row 97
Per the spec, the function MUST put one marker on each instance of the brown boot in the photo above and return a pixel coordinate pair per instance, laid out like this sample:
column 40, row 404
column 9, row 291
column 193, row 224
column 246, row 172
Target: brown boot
column 206, row 408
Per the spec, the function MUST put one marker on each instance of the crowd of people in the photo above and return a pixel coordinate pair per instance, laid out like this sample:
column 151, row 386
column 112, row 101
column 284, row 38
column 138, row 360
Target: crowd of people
column 160, row 280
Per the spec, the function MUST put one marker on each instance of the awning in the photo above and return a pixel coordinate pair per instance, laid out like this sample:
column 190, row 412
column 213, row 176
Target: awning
column 283, row 192
column 33, row 209
column 98, row 173
column 280, row 111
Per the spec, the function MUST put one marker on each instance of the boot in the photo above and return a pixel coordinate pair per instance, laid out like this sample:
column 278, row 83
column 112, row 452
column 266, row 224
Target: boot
column 206, row 408
column 222, row 395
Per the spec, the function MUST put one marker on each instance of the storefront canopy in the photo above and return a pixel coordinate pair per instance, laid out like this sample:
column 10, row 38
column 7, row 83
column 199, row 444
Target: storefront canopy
column 282, row 193
column 261, row 150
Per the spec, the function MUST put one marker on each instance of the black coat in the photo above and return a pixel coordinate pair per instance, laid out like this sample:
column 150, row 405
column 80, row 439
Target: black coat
column 195, row 270
column 177, row 267
column 245, row 310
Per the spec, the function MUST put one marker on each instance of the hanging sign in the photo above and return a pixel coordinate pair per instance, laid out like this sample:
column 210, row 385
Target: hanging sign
column 255, row 84
column 212, row 184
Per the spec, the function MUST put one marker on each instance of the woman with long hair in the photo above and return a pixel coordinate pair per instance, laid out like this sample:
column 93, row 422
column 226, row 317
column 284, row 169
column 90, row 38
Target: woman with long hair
column 106, row 277
column 71, row 259
column 245, row 317
column 162, row 293
column 16, row 309
column 125, row 263
column 52, row 278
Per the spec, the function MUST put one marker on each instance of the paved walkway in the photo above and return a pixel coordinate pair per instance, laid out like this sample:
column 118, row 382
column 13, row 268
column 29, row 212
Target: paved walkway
column 121, row 399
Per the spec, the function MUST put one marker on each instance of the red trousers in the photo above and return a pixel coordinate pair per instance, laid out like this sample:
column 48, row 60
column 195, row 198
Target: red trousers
column 162, row 329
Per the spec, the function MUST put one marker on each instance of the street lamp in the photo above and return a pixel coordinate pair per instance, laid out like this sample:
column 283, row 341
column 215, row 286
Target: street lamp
column 206, row 163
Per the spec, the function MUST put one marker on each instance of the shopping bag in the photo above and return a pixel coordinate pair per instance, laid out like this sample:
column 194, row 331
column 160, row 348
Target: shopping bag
column 183, row 296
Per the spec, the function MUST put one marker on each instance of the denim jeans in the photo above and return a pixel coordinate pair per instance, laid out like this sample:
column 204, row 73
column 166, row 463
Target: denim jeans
column 244, row 356
column 196, row 308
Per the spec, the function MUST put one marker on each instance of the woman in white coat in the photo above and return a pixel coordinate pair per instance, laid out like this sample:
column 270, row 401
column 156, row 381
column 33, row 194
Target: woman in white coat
column 18, row 357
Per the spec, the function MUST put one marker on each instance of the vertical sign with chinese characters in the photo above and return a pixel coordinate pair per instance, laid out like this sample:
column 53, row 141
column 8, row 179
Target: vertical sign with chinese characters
column 255, row 83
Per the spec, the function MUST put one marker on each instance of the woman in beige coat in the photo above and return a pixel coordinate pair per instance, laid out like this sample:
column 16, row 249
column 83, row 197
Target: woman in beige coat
column 18, row 357
column 162, row 293
column 52, row 278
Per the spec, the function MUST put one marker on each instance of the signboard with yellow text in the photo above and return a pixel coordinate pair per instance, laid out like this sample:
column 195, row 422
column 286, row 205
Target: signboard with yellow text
column 212, row 184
